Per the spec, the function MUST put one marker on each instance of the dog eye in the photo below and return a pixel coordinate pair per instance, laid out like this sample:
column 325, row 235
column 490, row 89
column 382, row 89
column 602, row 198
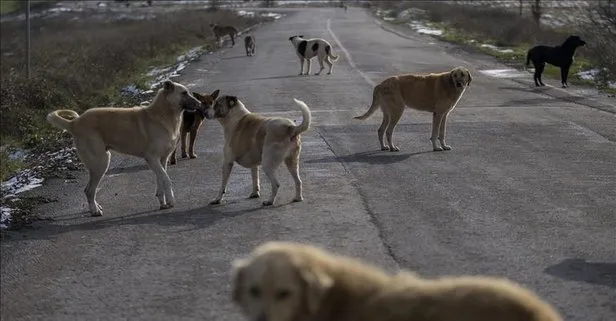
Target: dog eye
column 282, row 294
column 254, row 292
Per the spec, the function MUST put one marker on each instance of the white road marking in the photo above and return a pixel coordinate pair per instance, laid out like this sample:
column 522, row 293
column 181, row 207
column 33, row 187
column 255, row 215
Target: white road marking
column 347, row 54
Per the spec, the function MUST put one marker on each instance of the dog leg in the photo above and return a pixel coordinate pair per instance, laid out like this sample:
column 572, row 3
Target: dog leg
column 301, row 66
column 191, row 146
column 164, row 189
column 97, row 165
column 255, row 182
column 226, row 172
column 394, row 119
column 172, row 159
column 330, row 64
column 320, row 65
column 441, row 133
column 183, row 138
column 293, row 167
column 271, row 160
column 538, row 72
column 437, row 120
column 381, row 130
column 308, row 66
column 564, row 73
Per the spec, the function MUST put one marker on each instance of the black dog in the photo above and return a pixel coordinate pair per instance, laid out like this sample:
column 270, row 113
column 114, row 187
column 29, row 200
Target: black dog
column 559, row 56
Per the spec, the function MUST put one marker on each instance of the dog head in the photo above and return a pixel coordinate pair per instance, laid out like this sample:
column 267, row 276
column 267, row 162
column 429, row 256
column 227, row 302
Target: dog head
column 278, row 284
column 460, row 77
column 207, row 101
column 574, row 42
column 295, row 39
column 179, row 96
column 222, row 106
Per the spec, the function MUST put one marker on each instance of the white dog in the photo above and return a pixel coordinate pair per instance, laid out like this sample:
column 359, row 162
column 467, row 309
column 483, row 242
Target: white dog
column 252, row 140
column 306, row 49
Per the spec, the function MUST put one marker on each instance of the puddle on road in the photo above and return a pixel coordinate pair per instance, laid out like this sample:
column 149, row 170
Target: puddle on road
column 504, row 73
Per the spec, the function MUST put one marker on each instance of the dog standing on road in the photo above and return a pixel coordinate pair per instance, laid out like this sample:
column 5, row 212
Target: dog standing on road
column 149, row 132
column 252, row 140
column 559, row 56
column 437, row 93
column 286, row 281
column 191, row 121
column 306, row 49
column 250, row 45
column 221, row 31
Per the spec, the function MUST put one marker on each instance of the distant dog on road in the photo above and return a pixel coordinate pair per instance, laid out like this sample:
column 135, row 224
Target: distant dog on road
column 559, row 56
column 252, row 140
column 306, row 49
column 437, row 93
column 250, row 45
column 287, row 281
column 221, row 31
column 191, row 121
column 149, row 132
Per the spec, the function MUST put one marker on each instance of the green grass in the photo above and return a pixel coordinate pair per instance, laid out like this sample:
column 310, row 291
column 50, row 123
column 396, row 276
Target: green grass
column 11, row 6
column 8, row 167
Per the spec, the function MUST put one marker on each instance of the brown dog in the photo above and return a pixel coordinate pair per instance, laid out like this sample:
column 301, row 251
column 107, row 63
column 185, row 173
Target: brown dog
column 191, row 121
column 436, row 93
column 148, row 132
column 283, row 281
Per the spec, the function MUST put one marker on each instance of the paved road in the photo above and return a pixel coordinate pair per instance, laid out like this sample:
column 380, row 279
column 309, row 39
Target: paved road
column 528, row 192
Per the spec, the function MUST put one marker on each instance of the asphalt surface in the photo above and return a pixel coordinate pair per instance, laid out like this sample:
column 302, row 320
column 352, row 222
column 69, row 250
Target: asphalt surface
column 528, row 191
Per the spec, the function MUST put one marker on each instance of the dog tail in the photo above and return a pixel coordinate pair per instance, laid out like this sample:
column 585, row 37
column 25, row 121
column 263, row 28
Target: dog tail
column 307, row 118
column 373, row 106
column 62, row 118
column 328, row 51
column 527, row 59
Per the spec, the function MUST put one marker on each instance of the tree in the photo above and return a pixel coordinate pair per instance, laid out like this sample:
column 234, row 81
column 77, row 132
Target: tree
column 536, row 11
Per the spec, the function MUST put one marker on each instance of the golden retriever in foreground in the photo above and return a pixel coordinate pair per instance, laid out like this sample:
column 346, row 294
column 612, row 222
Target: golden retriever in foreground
column 252, row 140
column 149, row 132
column 437, row 93
column 283, row 281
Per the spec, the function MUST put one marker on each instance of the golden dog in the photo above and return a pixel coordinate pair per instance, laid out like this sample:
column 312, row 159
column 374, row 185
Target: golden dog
column 283, row 281
column 437, row 93
column 252, row 140
column 149, row 132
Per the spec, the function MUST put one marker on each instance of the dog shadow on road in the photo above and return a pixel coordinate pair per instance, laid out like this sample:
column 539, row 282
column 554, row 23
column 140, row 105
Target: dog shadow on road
column 600, row 273
column 372, row 158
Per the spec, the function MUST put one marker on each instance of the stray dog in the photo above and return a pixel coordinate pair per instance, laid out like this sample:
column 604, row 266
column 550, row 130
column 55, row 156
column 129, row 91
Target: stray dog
column 559, row 56
column 149, row 132
column 191, row 121
column 221, row 31
column 306, row 49
column 252, row 140
column 285, row 281
column 437, row 93
column 249, row 43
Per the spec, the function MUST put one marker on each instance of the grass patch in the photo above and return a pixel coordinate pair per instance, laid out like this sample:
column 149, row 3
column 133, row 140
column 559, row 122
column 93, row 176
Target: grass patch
column 13, row 6
column 473, row 26
column 8, row 166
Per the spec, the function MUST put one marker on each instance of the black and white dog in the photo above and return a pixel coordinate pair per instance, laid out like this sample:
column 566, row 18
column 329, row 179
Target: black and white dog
column 306, row 49
column 250, row 45
column 559, row 56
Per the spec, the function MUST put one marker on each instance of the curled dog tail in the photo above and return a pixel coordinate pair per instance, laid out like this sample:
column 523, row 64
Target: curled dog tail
column 307, row 118
column 62, row 119
column 373, row 106
column 328, row 51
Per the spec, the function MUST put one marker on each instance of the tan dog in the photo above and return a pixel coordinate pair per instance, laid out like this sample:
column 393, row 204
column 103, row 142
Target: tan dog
column 436, row 93
column 191, row 122
column 283, row 281
column 252, row 140
column 149, row 132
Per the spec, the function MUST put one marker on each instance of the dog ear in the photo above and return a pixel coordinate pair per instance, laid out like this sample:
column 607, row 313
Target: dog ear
column 237, row 279
column 168, row 85
column 231, row 101
column 316, row 284
column 452, row 81
column 215, row 94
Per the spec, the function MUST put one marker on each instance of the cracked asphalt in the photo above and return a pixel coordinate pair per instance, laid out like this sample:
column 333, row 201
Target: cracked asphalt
column 528, row 191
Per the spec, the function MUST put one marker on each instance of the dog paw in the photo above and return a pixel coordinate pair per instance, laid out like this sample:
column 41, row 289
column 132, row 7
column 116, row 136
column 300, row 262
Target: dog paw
column 300, row 199
column 172, row 162
column 384, row 148
column 215, row 202
column 184, row 155
column 446, row 147
column 394, row 149
column 254, row 195
column 97, row 213
column 329, row 73
column 437, row 149
column 268, row 203
column 193, row 155
column 166, row 206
